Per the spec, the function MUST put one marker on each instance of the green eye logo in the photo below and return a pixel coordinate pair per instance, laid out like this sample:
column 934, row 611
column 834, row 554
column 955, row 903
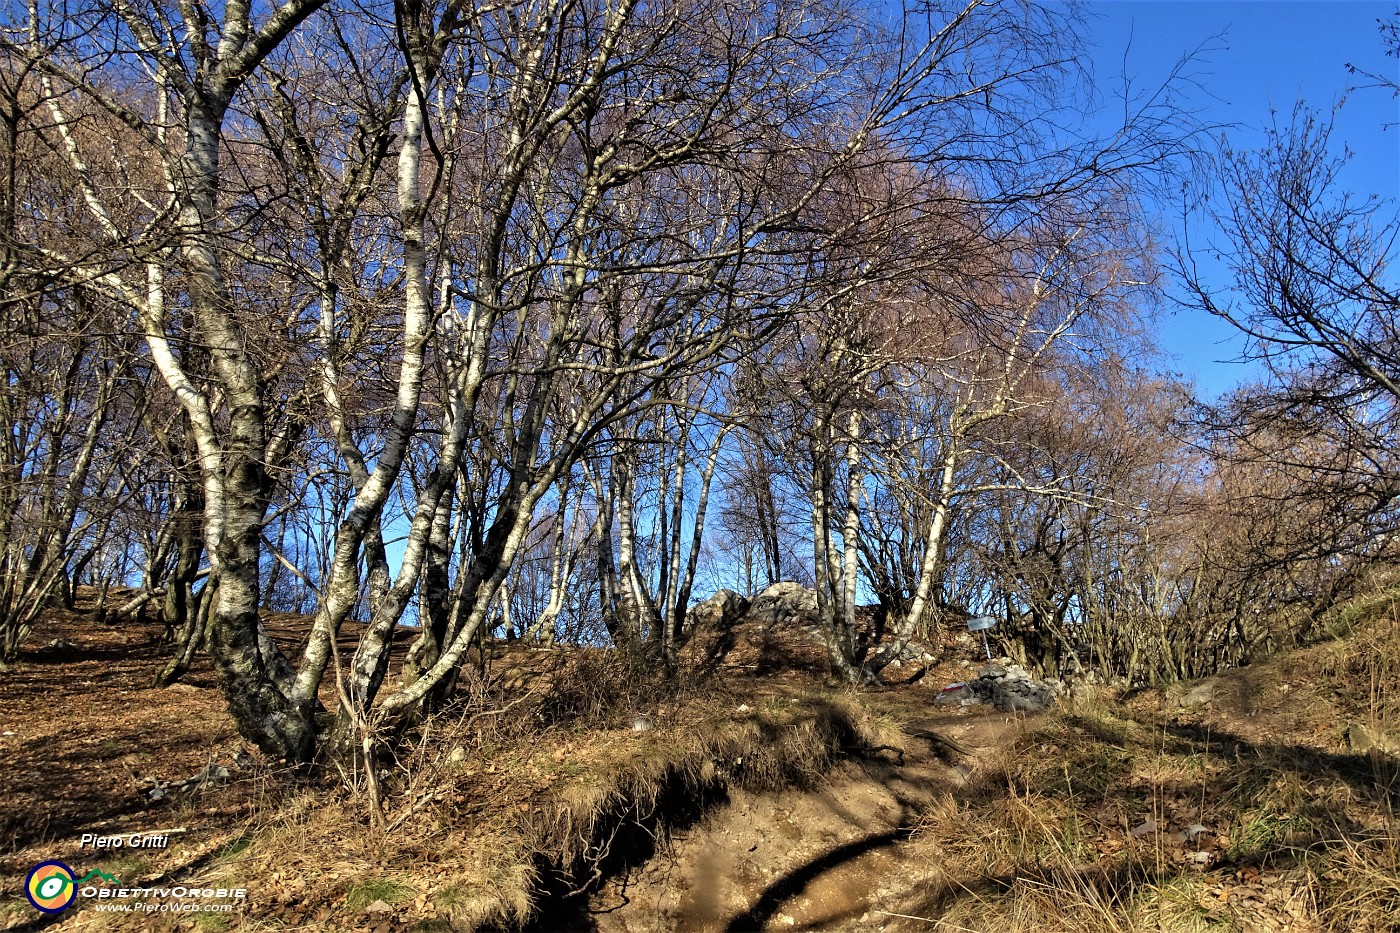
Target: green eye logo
column 50, row 887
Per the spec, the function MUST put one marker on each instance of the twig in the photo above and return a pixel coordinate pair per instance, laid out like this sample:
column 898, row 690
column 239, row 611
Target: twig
column 940, row 923
column 399, row 820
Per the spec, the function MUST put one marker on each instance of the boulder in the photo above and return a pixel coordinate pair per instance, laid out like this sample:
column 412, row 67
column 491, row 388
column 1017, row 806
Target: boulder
column 1363, row 738
column 1198, row 696
column 915, row 652
column 1023, row 701
column 720, row 611
column 954, row 694
column 782, row 604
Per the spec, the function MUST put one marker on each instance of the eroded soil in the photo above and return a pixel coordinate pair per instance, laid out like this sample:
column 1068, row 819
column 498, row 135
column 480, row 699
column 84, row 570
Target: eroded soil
column 830, row 857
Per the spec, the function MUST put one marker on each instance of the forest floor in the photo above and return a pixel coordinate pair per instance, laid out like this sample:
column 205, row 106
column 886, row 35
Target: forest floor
column 755, row 797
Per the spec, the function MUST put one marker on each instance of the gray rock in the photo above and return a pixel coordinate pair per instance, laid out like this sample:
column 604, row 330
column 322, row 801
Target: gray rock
column 1015, row 702
column 951, row 697
column 783, row 602
column 1145, row 828
column 1363, row 738
column 719, row 611
column 914, row 652
column 1199, row 696
column 1009, row 687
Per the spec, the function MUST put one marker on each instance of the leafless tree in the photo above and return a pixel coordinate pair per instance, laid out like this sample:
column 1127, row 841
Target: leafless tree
column 1312, row 289
column 449, row 269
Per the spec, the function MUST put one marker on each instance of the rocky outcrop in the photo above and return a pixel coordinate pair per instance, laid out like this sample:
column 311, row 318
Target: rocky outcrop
column 916, row 654
column 783, row 603
column 720, row 611
column 776, row 630
column 779, row 628
column 1008, row 687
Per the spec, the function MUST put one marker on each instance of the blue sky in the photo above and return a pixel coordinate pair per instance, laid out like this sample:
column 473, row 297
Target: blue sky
column 1251, row 56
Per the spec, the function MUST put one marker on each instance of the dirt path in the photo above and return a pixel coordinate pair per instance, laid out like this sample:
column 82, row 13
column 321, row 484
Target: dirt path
column 830, row 857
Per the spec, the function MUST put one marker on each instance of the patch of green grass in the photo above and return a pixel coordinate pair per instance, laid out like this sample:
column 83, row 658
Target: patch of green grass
column 431, row 926
column 1359, row 881
column 1068, row 760
column 126, row 870
column 1094, row 769
column 1100, row 724
column 1174, row 904
column 213, row 923
column 1268, row 833
column 361, row 894
column 453, row 896
column 1072, row 842
column 233, row 849
column 1348, row 617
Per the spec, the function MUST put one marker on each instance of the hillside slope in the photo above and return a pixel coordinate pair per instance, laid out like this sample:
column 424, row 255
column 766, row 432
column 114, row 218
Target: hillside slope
column 569, row 794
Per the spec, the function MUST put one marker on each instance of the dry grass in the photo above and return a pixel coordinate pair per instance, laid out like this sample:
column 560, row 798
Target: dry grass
column 512, row 798
column 1115, row 816
column 1114, row 813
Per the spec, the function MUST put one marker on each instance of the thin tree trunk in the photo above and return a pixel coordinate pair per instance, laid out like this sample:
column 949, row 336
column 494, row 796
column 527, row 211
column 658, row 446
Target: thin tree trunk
column 850, row 534
column 909, row 625
column 697, row 536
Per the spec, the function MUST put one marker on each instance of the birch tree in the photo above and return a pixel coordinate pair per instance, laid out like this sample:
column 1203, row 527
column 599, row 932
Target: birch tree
column 171, row 94
column 453, row 252
column 692, row 209
column 1051, row 296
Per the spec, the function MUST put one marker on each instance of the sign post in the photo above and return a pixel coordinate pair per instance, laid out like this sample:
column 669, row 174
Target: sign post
column 981, row 624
